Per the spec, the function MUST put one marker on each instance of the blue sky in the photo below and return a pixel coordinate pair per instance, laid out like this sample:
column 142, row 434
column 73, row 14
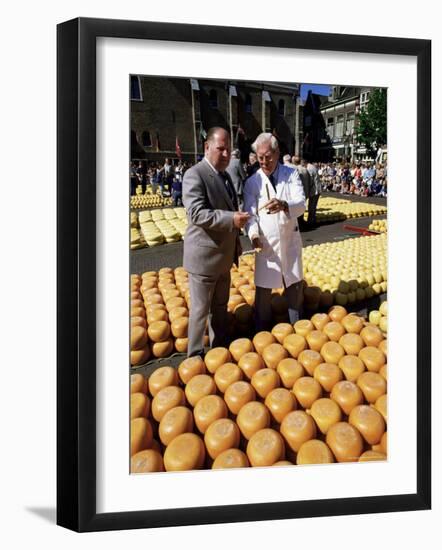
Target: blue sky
column 322, row 89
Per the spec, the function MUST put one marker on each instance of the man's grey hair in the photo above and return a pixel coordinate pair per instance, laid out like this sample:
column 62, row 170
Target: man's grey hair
column 235, row 153
column 286, row 158
column 264, row 138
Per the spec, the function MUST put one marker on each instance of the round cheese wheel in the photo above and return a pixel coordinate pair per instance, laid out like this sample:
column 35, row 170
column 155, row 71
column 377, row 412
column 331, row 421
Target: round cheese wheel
column 353, row 323
column 265, row 447
column 157, row 315
column 231, row 458
column 273, row 354
column 345, row 442
column 372, row 385
column 166, row 399
column 319, row 320
column 139, row 405
column 169, row 293
column 372, row 357
column 332, row 352
column 383, row 443
column 381, row 405
column 138, row 322
column 239, row 347
column 139, row 356
column 250, row 363
column 370, row 456
column 303, row 327
column 207, row 410
column 337, row 313
column 179, row 327
column 199, row 386
column 307, row 390
column 281, row 330
column 352, row 367
column 185, row 452
column 238, row 394
column 141, row 435
column 146, row 461
column 325, row 412
column 136, row 295
column 138, row 383
column 227, row 374
column 372, row 335
column 383, row 346
column 221, row 435
column 161, row 378
column 252, row 417
column 328, row 374
column 294, row 344
column 216, row 357
column 190, row 367
column 289, row 370
column 264, row 381
column 159, row 331
column 153, row 298
column 155, row 307
column 137, row 312
column 136, row 303
column 176, row 421
column 369, row 422
column 280, row 402
column 352, row 343
column 316, row 339
column 178, row 313
column 314, row 451
column 347, row 395
column 181, row 344
column 173, row 303
column 263, row 339
column 297, row 427
column 162, row 349
column 383, row 371
column 334, row 331
column 310, row 359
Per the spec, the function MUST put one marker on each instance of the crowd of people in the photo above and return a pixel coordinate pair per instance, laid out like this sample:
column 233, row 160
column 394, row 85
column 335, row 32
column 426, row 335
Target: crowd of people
column 366, row 179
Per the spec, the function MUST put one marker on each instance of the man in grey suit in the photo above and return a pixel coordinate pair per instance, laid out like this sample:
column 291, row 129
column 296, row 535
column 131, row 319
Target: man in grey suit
column 237, row 174
column 211, row 242
column 306, row 184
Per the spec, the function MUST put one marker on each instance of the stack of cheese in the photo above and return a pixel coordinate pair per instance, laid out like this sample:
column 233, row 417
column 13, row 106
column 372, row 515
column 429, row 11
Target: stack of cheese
column 314, row 392
column 380, row 226
column 332, row 210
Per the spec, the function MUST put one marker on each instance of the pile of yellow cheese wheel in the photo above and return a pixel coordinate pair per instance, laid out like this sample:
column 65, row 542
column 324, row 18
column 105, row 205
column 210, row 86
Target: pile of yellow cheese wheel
column 149, row 201
column 314, row 392
column 379, row 226
column 330, row 209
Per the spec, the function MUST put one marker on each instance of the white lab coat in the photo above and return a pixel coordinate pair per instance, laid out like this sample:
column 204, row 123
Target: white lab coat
column 280, row 260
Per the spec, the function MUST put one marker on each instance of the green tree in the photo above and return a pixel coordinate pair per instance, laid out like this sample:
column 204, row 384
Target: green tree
column 372, row 128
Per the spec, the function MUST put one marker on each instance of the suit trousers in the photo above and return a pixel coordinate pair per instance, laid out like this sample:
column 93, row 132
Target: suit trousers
column 263, row 308
column 208, row 296
column 312, row 205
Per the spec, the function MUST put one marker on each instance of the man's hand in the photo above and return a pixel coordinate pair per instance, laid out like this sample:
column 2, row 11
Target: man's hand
column 257, row 244
column 240, row 219
column 275, row 206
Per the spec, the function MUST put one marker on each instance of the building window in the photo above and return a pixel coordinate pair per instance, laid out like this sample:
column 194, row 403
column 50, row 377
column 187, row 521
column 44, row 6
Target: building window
column 145, row 139
column 330, row 126
column 281, row 107
column 339, row 126
column 135, row 88
column 213, row 99
column 248, row 104
column 350, row 123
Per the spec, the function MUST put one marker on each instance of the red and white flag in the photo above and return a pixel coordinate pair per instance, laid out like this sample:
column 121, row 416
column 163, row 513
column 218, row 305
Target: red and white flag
column 178, row 149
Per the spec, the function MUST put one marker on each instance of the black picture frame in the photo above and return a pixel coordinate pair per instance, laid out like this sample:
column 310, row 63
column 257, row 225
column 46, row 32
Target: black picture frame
column 76, row 273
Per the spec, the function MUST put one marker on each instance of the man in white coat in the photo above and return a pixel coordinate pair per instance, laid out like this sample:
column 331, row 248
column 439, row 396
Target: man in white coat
column 274, row 198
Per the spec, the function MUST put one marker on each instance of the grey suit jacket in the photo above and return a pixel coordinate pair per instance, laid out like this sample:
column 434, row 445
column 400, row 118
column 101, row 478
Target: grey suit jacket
column 211, row 242
column 237, row 175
